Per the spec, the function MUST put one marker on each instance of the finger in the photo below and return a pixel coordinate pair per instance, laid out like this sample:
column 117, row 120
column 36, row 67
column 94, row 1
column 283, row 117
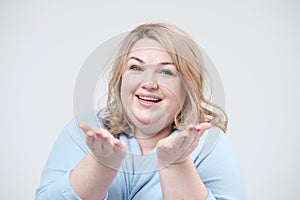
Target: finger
column 90, row 134
column 101, row 135
column 199, row 133
column 119, row 146
column 203, row 126
column 185, row 137
column 180, row 138
column 191, row 127
column 192, row 138
column 85, row 126
column 95, row 139
column 104, row 134
column 192, row 131
column 104, row 142
column 200, row 128
column 90, row 139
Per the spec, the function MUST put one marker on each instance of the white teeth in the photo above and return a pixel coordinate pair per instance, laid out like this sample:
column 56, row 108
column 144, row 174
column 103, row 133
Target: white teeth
column 148, row 98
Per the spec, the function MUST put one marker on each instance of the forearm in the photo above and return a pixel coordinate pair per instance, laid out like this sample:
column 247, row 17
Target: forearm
column 182, row 181
column 90, row 179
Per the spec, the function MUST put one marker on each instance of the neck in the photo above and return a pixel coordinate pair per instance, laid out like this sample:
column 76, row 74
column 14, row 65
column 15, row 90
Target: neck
column 149, row 141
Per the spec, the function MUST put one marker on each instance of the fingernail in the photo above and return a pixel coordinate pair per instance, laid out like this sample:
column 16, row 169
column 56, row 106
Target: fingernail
column 207, row 125
column 97, row 134
column 90, row 133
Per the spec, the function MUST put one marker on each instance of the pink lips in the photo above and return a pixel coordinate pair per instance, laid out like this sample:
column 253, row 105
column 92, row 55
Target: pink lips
column 148, row 100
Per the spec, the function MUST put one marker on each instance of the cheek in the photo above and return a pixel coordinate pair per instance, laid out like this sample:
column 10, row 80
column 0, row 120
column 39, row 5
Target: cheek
column 178, row 96
column 182, row 94
column 129, row 85
column 175, row 90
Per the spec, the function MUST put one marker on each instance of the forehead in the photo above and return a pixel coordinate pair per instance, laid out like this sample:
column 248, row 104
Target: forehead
column 145, row 43
column 149, row 50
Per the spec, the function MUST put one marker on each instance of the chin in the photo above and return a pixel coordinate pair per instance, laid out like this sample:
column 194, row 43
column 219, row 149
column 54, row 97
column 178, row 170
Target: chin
column 149, row 131
column 150, row 127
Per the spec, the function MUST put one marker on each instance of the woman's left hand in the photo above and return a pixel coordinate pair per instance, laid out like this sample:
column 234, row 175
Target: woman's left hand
column 176, row 149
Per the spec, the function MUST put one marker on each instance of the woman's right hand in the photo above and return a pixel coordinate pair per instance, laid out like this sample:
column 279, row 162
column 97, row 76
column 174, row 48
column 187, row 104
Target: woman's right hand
column 105, row 148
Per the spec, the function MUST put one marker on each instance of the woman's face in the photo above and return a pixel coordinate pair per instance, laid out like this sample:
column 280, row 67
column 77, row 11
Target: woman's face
column 151, row 91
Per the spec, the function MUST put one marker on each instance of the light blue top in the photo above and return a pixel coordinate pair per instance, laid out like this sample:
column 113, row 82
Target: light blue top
column 138, row 177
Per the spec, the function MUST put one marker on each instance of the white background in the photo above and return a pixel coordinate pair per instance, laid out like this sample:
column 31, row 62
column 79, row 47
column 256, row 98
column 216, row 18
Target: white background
column 255, row 46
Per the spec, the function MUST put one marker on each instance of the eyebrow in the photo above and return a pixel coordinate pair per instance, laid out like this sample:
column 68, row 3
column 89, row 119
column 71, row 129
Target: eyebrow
column 135, row 58
column 143, row 62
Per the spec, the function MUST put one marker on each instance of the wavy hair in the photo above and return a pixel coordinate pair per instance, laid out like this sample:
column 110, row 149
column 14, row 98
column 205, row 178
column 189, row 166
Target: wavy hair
column 188, row 60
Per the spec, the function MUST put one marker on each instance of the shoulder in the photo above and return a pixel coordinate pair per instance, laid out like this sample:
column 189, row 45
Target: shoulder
column 214, row 145
column 218, row 165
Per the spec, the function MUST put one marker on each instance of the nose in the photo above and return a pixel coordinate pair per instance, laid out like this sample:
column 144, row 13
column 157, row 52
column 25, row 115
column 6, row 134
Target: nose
column 150, row 85
column 149, row 81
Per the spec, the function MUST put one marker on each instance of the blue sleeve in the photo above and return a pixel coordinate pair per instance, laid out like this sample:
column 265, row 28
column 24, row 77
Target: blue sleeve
column 67, row 152
column 220, row 169
column 69, row 149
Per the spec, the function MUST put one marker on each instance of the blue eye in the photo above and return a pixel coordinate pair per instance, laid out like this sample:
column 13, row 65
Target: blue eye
column 167, row 72
column 135, row 68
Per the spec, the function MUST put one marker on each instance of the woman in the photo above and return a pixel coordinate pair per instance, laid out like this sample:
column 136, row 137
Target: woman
column 150, row 141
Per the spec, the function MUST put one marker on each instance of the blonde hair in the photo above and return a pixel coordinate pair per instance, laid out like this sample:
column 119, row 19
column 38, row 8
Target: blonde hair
column 188, row 60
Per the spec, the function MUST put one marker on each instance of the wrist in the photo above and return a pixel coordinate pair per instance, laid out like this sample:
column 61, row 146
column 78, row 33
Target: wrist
column 182, row 161
column 178, row 163
column 115, row 165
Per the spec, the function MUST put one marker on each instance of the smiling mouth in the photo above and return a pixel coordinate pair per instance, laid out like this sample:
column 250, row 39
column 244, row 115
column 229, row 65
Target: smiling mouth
column 149, row 99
